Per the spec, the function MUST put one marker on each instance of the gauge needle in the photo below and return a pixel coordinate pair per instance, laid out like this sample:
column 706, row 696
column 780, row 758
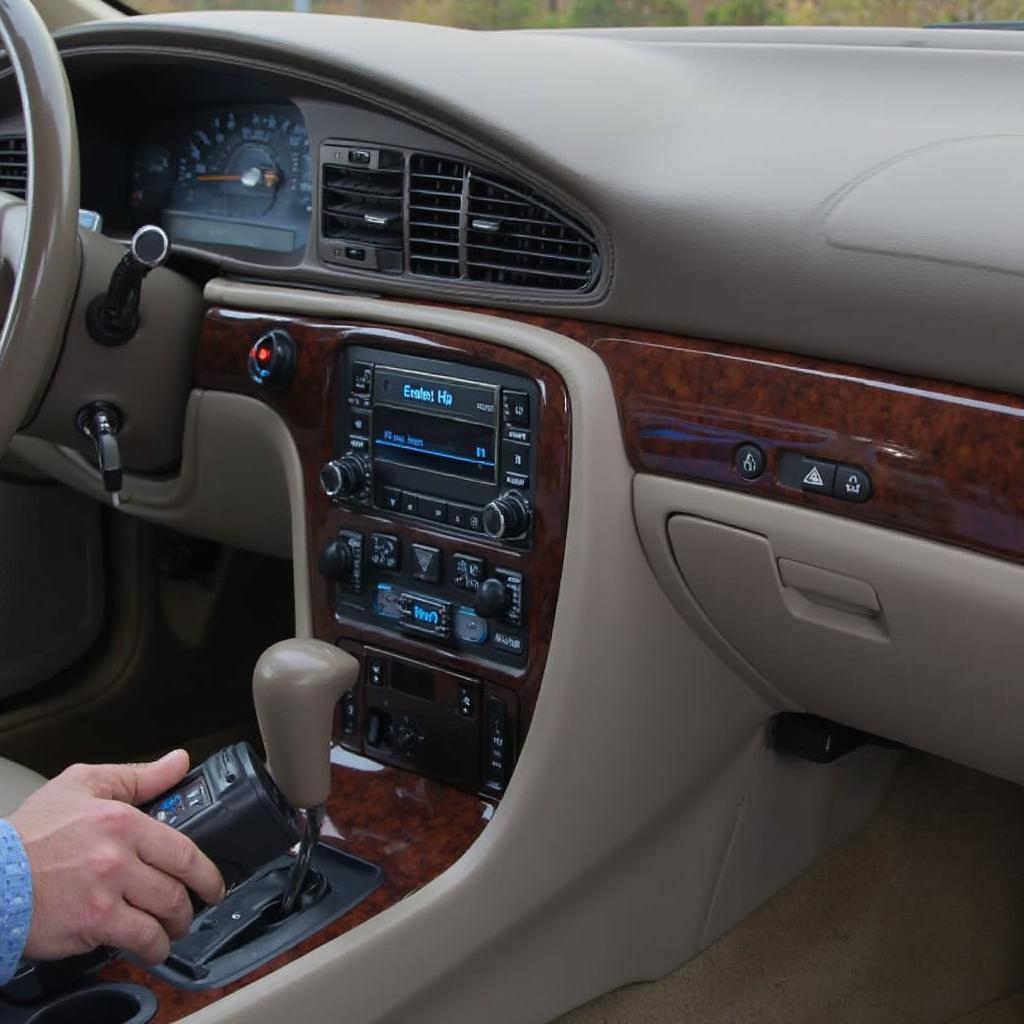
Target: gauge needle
column 251, row 178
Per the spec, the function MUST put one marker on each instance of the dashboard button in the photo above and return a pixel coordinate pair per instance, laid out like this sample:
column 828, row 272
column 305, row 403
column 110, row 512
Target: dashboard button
column 356, row 253
column 426, row 563
column 385, row 552
column 514, row 587
column 467, row 700
column 852, row 484
column 391, row 499
column 375, row 671
column 749, row 461
column 516, row 405
column 498, row 753
column 359, row 422
column 387, row 601
column 469, row 571
column 515, row 457
column 464, row 517
column 434, row 510
column 806, row 474
column 362, row 378
column 470, row 627
column 514, row 434
column 410, row 504
column 508, row 642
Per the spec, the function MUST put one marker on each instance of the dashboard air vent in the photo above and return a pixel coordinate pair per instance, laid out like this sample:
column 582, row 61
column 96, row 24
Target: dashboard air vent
column 435, row 211
column 14, row 165
column 469, row 225
column 361, row 206
column 515, row 238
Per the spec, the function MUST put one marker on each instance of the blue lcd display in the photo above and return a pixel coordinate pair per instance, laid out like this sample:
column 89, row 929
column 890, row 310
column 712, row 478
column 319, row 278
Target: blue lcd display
column 435, row 443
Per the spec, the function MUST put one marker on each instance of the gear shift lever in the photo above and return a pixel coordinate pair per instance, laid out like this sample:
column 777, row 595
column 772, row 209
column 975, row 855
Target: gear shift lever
column 296, row 686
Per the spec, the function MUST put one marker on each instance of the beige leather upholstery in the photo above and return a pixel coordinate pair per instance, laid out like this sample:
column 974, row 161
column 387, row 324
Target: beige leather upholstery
column 16, row 783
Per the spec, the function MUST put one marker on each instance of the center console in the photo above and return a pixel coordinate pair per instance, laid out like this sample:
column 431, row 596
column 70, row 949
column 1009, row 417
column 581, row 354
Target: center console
column 437, row 474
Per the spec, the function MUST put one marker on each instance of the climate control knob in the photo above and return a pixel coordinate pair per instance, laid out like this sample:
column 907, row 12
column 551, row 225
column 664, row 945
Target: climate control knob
column 345, row 477
column 492, row 599
column 507, row 516
column 337, row 561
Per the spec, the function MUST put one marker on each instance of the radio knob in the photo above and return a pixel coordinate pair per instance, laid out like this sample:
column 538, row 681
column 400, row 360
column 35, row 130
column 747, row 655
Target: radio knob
column 507, row 516
column 492, row 599
column 345, row 477
column 336, row 560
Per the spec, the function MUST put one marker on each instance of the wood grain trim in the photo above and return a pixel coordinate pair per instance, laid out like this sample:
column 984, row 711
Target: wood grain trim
column 413, row 828
column 946, row 461
column 307, row 406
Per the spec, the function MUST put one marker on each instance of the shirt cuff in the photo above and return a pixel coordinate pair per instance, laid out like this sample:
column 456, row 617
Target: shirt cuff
column 15, row 900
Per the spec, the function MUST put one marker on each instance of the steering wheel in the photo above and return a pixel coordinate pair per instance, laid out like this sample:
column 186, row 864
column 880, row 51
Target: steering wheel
column 39, row 248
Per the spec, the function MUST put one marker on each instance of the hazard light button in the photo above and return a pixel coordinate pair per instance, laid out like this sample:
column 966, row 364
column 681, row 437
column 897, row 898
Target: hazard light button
column 806, row 474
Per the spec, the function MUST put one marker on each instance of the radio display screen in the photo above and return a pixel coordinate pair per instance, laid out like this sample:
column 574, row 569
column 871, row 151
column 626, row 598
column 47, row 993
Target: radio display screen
column 435, row 443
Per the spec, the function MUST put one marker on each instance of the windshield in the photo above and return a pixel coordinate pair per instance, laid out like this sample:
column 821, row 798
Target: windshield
column 498, row 14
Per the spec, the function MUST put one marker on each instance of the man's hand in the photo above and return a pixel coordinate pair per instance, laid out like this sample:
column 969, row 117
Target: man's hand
column 105, row 873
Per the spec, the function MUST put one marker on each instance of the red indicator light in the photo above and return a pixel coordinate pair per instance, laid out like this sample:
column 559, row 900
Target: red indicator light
column 263, row 355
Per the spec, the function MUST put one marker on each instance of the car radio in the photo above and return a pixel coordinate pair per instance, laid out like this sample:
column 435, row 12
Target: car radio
column 436, row 441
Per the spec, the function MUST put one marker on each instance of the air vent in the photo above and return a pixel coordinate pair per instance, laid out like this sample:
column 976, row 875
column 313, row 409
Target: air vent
column 14, row 165
column 515, row 238
column 466, row 224
column 361, row 206
column 435, row 210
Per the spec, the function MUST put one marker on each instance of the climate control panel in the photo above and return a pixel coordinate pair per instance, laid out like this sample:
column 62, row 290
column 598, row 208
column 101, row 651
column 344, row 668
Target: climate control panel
column 443, row 595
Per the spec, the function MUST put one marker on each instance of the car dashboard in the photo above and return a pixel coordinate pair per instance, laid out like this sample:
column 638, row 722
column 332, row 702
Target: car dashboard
column 611, row 393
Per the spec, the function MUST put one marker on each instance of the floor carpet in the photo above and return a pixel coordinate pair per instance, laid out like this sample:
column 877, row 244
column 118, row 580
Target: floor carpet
column 917, row 919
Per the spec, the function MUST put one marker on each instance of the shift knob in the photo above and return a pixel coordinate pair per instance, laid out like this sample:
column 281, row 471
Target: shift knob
column 296, row 685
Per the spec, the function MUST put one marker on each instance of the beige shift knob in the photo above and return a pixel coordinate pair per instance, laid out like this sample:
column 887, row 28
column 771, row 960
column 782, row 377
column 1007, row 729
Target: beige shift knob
column 296, row 686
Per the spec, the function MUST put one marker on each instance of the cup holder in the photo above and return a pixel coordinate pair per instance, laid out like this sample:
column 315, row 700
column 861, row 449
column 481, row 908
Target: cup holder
column 100, row 1004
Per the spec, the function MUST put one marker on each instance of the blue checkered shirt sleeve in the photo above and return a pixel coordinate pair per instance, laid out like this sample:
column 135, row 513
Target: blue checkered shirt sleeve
column 15, row 900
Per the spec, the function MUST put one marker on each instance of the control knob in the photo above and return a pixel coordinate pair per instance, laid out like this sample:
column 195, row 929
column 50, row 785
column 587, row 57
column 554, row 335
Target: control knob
column 345, row 477
column 336, row 560
column 492, row 599
column 507, row 516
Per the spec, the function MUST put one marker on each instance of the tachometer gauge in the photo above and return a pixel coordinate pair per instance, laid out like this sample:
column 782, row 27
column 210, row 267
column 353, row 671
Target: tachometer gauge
column 238, row 177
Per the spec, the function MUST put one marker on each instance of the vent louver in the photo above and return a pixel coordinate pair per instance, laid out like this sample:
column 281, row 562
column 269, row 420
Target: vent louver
column 361, row 207
column 469, row 225
column 515, row 238
column 435, row 215
column 14, row 165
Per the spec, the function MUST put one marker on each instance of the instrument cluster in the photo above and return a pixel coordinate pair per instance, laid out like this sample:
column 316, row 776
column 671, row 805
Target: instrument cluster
column 233, row 176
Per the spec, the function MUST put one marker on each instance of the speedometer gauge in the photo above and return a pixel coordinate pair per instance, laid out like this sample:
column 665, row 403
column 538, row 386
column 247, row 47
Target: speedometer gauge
column 233, row 177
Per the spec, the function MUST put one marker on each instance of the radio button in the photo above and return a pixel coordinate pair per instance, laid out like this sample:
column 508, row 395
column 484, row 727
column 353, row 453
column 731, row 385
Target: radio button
column 426, row 615
column 462, row 516
column 410, row 504
column 515, row 457
column 512, row 434
column 469, row 571
column 517, row 408
column 520, row 480
column 386, row 552
column 426, row 563
column 362, row 378
column 435, row 511
column 391, row 499
column 359, row 423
